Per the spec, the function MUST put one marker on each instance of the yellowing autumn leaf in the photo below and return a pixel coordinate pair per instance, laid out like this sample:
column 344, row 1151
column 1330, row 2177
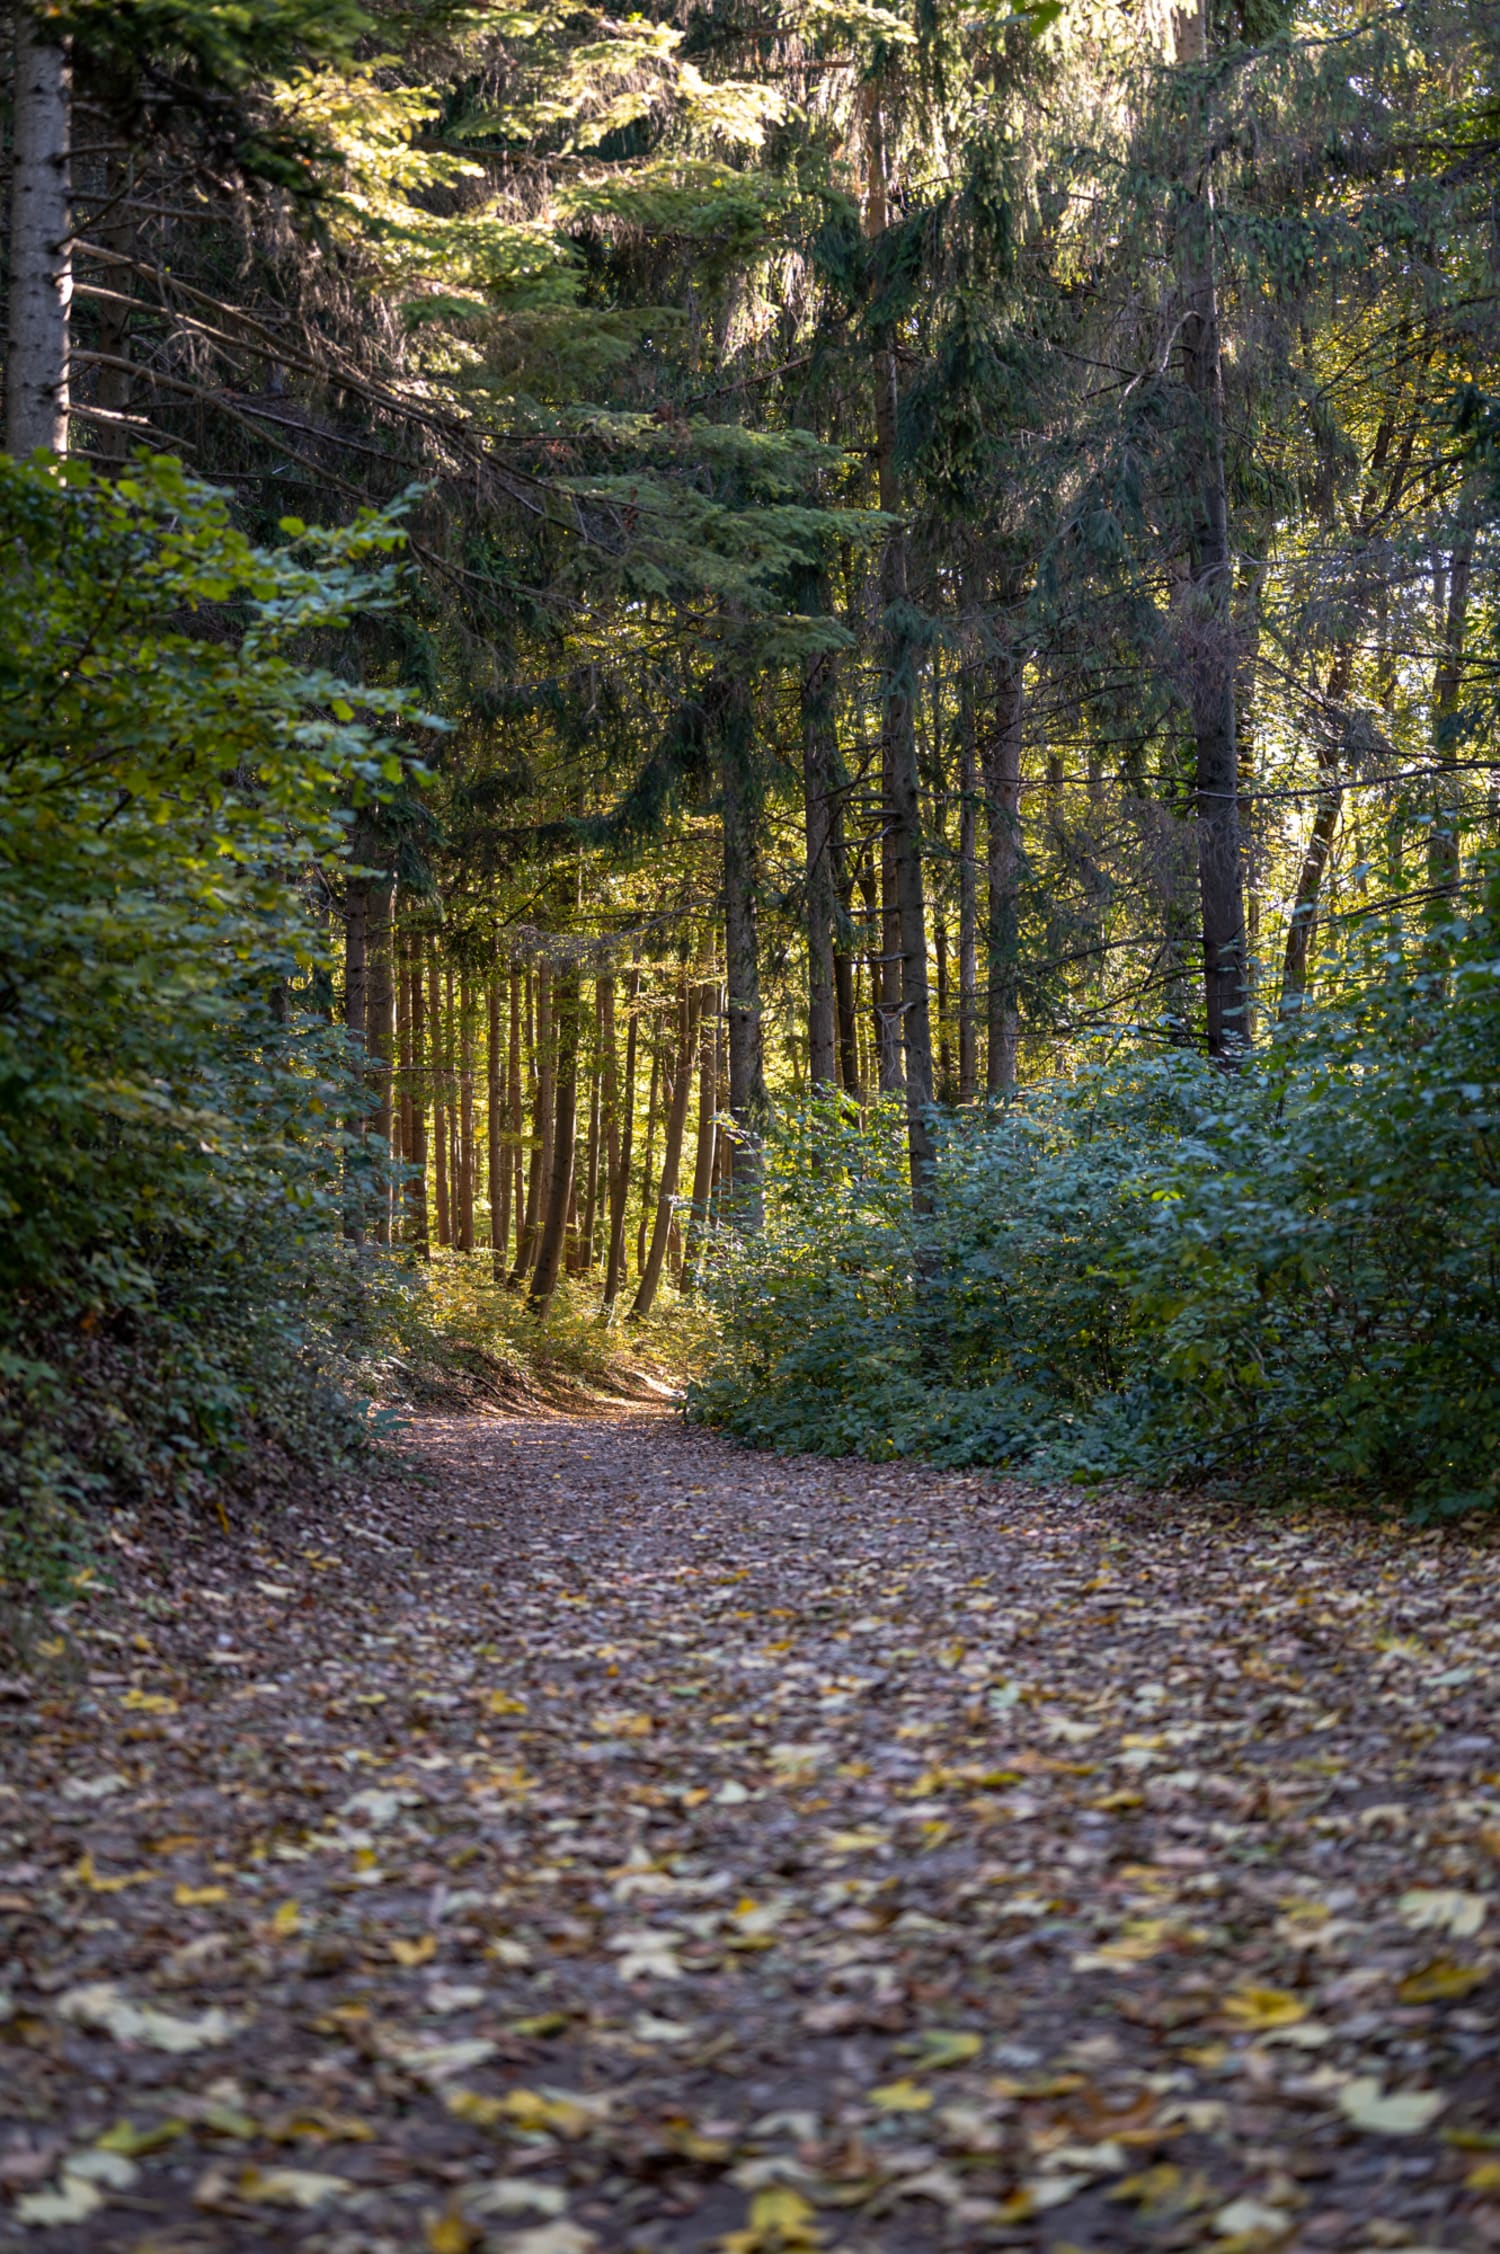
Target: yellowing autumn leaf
column 450, row 2234
column 286, row 1920
column 1403, row 2113
column 1440, row 1982
column 199, row 1897
column 101, row 2006
column 904, row 2096
column 148, row 1702
column 86, row 1875
column 946, row 2046
column 1443, row 1909
column 290, row 2187
column 1258, row 2008
column 410, row 1953
column 501, row 1702
column 781, row 2222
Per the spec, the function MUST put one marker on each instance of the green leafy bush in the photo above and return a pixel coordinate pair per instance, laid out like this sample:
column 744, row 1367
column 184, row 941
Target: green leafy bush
column 1286, row 1276
column 175, row 779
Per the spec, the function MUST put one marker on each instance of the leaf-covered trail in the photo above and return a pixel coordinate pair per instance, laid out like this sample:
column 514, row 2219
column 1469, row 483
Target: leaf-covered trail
column 626, row 1842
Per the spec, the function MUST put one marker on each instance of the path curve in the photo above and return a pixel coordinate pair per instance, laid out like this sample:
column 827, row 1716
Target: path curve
column 608, row 1841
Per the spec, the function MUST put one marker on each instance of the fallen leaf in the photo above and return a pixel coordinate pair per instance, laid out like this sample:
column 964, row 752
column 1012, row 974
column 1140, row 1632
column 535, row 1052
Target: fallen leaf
column 1400, row 2114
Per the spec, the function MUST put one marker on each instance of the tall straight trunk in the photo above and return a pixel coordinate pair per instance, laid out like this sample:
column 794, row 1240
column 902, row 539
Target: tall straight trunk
column 1002, row 806
column 468, row 1153
column 708, row 1108
column 819, row 791
column 380, row 1034
column 1210, row 600
column 40, row 276
column 541, row 1106
column 648, row 1153
column 588, row 1222
column 747, row 1071
column 439, row 1099
column 566, row 993
column 844, row 974
column 1447, row 688
column 401, row 1104
column 671, row 1157
column 622, row 1138
column 416, row 1188
column 517, row 1116
column 968, row 920
column 898, row 731
column 1302, row 922
column 356, row 999
column 494, row 1113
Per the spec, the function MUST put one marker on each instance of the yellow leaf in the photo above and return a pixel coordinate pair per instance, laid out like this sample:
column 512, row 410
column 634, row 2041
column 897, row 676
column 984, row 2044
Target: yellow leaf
column 286, row 1921
column 1258, row 2008
column 501, row 1702
column 199, row 1897
column 411, row 1953
column 474, row 2106
column 1484, row 2176
column 450, row 2234
column 1437, row 1982
column 781, row 2222
column 148, row 1702
column 905, row 2096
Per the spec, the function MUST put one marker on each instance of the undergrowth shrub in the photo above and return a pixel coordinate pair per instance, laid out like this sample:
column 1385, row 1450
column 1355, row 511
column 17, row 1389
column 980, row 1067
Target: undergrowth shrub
column 175, row 779
column 1285, row 1276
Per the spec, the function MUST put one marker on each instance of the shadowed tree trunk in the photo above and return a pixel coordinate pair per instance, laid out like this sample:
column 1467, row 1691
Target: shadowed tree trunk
column 671, row 1157
column 416, row 1188
column 968, row 921
column 747, row 1077
column 568, row 990
column 436, row 1066
column 819, row 789
column 40, row 273
column 1002, row 806
column 622, row 1138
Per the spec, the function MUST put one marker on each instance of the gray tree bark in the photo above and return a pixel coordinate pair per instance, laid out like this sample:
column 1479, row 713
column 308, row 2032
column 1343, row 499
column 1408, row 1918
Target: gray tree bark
column 40, row 278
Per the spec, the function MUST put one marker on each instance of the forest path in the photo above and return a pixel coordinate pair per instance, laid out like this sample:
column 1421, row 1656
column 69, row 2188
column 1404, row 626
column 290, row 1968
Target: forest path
column 626, row 1842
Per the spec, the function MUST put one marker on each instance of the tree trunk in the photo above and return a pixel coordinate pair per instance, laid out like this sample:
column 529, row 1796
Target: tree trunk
column 1002, row 806
column 516, row 1177
column 819, row 789
column 380, row 1035
column 567, row 990
column 541, row 1154
column 439, row 1103
column 592, row 1170
column 1210, row 620
column 747, row 1075
column 1447, row 688
column 968, row 921
column 494, row 1112
column 647, row 1155
column 708, row 1109
column 671, row 1158
column 899, row 739
column 416, row 1188
column 40, row 277
column 622, row 1138
column 468, row 1153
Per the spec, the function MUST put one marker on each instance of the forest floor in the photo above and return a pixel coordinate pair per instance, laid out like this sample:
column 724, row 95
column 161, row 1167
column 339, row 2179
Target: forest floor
column 601, row 1838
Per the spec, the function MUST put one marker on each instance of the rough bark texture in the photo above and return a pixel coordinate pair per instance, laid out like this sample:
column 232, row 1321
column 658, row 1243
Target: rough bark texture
column 563, row 1090
column 1209, row 621
column 1002, row 806
column 819, row 788
column 621, row 1145
column 439, row 1102
column 671, row 1157
column 747, row 1077
column 40, row 276
column 968, row 920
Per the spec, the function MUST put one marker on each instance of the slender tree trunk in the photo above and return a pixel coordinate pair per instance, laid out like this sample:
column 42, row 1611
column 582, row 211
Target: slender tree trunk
column 494, row 1112
column 468, row 1149
column 1447, row 689
column 649, row 1153
column 439, row 1099
column 968, row 921
column 380, row 1034
column 819, row 789
column 1210, row 609
column 622, row 1140
column 898, row 734
column 1002, row 805
column 708, row 1105
column 747, row 1073
column 356, row 1003
column 517, row 1115
column 40, row 276
column 401, row 1103
column 1304, row 916
column 567, row 992
column 416, row 1188
column 671, row 1158
column 541, row 1107
column 596, row 1125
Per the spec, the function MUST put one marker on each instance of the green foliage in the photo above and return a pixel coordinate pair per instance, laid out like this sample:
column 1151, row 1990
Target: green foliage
column 176, row 781
column 1284, row 1276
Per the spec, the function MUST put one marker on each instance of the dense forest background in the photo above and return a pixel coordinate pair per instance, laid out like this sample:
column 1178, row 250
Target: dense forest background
column 835, row 664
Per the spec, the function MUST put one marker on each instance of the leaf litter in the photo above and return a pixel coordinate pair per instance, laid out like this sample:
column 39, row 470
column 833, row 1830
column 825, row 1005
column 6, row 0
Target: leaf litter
column 607, row 1841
